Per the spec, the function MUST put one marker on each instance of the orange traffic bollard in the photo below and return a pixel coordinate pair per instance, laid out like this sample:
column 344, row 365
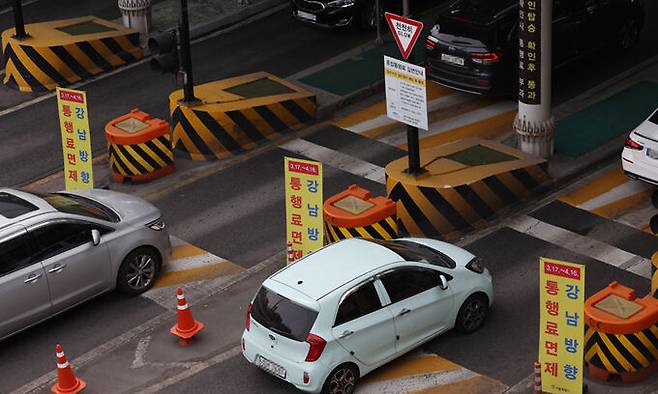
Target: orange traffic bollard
column 186, row 327
column 67, row 383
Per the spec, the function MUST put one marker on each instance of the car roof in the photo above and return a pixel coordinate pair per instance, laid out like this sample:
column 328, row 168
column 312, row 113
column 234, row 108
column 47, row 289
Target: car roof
column 335, row 265
column 40, row 205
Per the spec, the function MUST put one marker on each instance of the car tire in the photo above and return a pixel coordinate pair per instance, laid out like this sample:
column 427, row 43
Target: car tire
column 472, row 314
column 138, row 271
column 342, row 380
column 629, row 33
column 368, row 17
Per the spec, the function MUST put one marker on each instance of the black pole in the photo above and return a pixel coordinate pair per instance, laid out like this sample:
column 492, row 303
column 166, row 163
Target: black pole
column 378, row 13
column 413, row 146
column 186, row 56
column 19, row 23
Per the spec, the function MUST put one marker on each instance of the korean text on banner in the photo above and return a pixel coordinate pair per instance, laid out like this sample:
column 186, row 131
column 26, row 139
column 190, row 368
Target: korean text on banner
column 304, row 226
column 561, row 325
column 76, row 143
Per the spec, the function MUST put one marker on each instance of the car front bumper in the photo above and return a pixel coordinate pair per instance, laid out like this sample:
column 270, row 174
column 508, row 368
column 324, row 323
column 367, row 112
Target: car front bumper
column 328, row 18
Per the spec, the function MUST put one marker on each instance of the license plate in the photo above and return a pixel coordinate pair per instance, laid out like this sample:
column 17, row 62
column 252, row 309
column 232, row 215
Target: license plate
column 271, row 367
column 452, row 59
column 306, row 15
column 652, row 153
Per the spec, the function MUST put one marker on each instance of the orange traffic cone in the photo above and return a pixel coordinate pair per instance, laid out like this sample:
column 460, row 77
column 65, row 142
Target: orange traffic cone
column 186, row 327
column 67, row 383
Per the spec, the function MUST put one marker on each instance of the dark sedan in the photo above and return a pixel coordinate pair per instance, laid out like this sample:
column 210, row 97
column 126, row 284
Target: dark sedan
column 474, row 44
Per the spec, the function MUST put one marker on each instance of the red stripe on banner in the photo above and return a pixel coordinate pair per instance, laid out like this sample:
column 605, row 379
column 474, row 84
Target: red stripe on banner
column 303, row 168
column 71, row 96
column 561, row 270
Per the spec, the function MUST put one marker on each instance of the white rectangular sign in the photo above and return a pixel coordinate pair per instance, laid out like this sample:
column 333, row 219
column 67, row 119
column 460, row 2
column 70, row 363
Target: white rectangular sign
column 406, row 98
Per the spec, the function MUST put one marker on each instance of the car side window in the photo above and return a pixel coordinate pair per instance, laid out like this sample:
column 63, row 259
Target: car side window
column 358, row 302
column 56, row 238
column 15, row 253
column 407, row 282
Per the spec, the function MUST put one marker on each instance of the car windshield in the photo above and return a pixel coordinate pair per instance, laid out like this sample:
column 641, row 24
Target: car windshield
column 76, row 205
column 412, row 251
column 282, row 315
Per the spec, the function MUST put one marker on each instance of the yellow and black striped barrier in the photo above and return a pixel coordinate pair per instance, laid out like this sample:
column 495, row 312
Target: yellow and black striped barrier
column 352, row 213
column 621, row 334
column 238, row 114
column 466, row 184
column 63, row 52
column 139, row 147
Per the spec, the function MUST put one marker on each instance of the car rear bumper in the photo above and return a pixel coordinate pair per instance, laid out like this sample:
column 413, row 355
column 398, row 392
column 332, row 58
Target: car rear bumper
column 328, row 18
column 294, row 371
column 637, row 165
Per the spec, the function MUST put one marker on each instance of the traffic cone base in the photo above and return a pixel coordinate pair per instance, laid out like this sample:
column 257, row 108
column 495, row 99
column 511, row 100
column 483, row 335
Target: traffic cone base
column 78, row 387
column 187, row 334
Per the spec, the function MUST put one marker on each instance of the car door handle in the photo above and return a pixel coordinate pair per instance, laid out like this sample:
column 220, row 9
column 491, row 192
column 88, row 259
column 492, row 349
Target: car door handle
column 404, row 311
column 32, row 278
column 345, row 334
column 57, row 268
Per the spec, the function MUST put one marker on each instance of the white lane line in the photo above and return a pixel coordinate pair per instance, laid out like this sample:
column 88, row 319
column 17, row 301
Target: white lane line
column 193, row 370
column 580, row 244
column 410, row 384
column 432, row 106
column 7, row 10
column 617, row 193
column 455, row 122
column 189, row 262
column 336, row 159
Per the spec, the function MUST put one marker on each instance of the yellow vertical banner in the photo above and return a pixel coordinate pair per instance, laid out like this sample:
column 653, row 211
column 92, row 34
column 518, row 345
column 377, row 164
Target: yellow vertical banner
column 561, row 325
column 76, row 139
column 304, row 226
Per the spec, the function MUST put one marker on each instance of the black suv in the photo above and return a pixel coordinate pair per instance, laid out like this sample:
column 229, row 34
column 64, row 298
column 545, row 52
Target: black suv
column 474, row 45
column 343, row 13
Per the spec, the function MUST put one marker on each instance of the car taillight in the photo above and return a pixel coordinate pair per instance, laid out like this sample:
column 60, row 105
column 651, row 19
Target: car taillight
column 485, row 57
column 317, row 346
column 247, row 323
column 630, row 144
column 430, row 42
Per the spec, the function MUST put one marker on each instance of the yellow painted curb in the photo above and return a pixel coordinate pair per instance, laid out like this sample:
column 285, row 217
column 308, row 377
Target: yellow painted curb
column 195, row 274
column 477, row 385
column 453, row 197
column 51, row 57
column 409, row 366
column 596, row 187
column 223, row 124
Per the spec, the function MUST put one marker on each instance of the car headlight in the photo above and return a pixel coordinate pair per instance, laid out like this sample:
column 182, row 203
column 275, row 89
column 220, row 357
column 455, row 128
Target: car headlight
column 157, row 225
column 341, row 3
column 476, row 265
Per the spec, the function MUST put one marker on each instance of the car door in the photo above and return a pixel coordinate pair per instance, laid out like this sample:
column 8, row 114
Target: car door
column 419, row 306
column 76, row 268
column 24, row 295
column 363, row 326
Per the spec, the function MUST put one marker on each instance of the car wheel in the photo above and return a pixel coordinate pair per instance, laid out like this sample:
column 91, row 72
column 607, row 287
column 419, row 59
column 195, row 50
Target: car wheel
column 341, row 380
column 629, row 33
column 138, row 271
column 472, row 314
column 369, row 16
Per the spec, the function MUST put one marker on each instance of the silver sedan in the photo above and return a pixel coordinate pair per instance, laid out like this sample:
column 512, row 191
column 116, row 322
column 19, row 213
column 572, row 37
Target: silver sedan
column 60, row 249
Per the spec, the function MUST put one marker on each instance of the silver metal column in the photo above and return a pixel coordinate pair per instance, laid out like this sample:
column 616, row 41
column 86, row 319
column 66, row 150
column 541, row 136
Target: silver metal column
column 534, row 122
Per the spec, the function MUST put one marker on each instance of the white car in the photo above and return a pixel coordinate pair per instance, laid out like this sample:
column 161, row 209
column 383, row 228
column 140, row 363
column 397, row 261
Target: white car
column 639, row 158
column 339, row 313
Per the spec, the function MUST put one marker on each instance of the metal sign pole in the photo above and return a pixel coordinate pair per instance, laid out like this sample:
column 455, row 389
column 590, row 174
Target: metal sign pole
column 19, row 23
column 186, row 56
column 413, row 144
column 378, row 11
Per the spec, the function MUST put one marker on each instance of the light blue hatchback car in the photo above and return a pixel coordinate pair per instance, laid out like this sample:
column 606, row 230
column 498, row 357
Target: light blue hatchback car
column 339, row 313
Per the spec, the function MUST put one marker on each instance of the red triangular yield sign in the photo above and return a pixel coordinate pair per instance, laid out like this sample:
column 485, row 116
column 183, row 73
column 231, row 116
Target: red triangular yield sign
column 405, row 31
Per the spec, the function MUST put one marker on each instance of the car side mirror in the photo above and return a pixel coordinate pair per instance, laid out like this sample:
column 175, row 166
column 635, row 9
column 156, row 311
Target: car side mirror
column 96, row 237
column 443, row 282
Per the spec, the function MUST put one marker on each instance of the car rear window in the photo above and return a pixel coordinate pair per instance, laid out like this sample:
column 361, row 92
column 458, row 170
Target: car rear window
column 654, row 118
column 282, row 315
column 472, row 19
column 12, row 206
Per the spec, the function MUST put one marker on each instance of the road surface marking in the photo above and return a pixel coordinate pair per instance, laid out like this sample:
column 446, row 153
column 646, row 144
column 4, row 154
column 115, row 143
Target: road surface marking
column 580, row 244
column 336, row 159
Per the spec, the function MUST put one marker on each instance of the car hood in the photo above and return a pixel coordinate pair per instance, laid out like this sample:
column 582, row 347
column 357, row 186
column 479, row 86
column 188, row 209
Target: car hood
column 129, row 208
